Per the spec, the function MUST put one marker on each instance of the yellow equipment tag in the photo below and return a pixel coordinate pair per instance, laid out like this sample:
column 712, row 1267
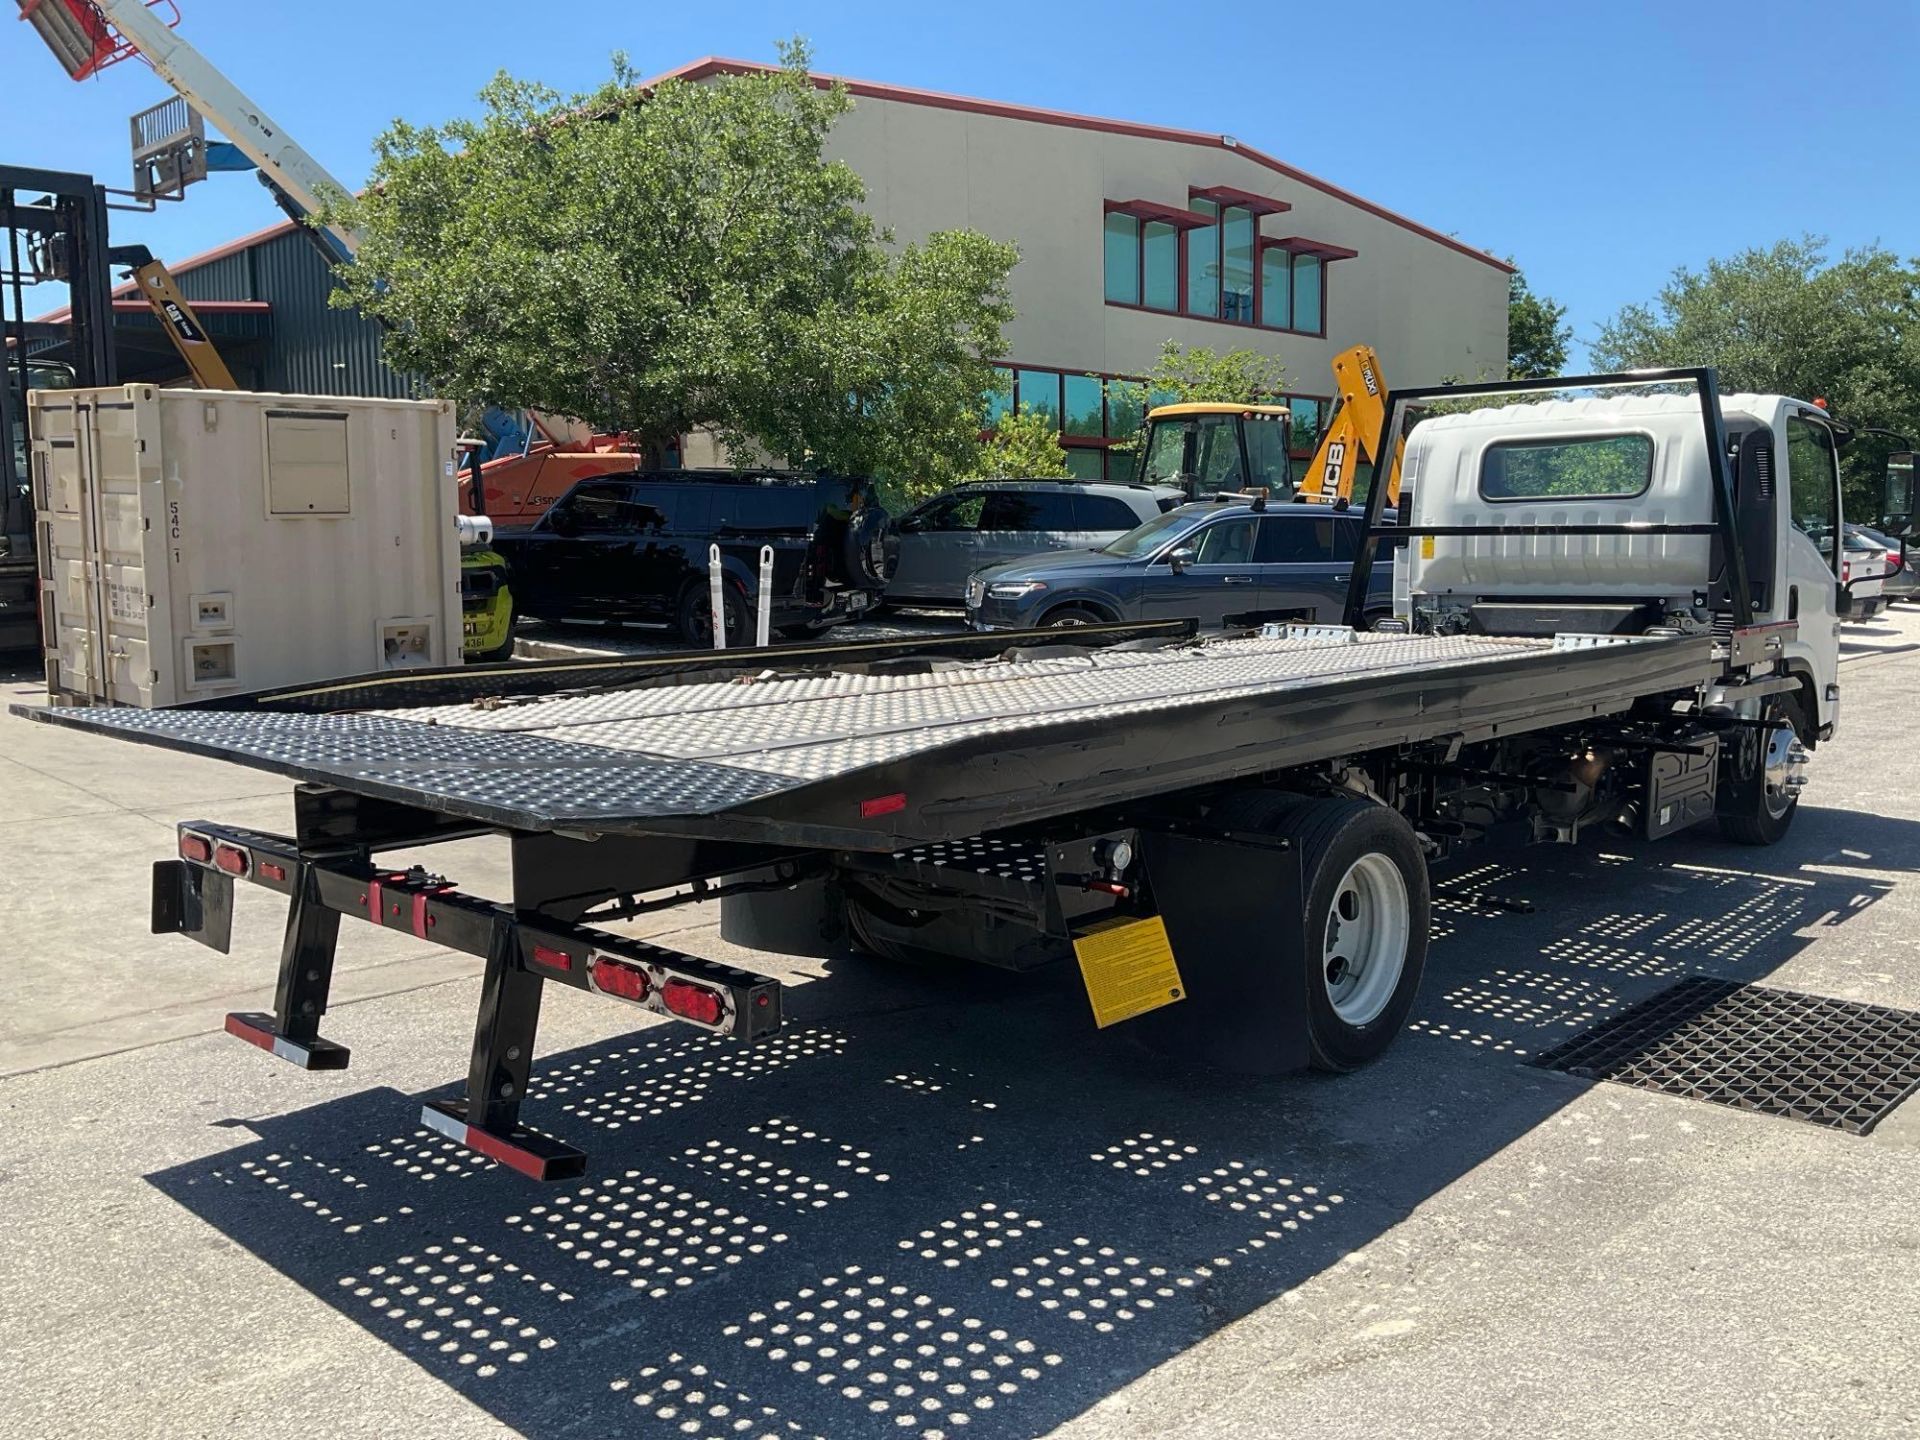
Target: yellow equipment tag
column 1128, row 968
column 1426, row 547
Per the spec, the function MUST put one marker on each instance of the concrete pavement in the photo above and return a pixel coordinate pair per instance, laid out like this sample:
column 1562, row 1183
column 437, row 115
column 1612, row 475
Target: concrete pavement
column 940, row 1204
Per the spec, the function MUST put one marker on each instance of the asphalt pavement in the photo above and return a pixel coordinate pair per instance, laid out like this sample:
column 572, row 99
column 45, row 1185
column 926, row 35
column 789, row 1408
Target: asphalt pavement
column 940, row 1203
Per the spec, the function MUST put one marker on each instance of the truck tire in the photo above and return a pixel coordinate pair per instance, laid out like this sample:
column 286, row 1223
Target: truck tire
column 1755, row 805
column 1367, row 905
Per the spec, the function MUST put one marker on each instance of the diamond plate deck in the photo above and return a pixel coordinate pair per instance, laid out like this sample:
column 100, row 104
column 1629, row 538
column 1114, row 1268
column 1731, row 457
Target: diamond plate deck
column 791, row 754
column 1829, row 1062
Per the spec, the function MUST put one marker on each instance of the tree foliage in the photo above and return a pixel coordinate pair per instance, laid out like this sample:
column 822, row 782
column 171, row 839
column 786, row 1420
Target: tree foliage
column 678, row 259
column 1537, row 334
column 1199, row 373
column 1783, row 320
column 1024, row 446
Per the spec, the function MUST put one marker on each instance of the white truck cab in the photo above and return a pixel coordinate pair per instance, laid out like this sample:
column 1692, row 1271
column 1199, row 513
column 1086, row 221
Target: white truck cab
column 1619, row 532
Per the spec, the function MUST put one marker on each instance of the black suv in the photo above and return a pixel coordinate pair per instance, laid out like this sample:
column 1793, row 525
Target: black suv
column 633, row 548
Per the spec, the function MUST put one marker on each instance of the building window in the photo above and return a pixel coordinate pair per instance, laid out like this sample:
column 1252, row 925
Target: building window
column 1203, row 263
column 1142, row 262
column 1123, row 259
column 1276, row 289
column 1086, row 463
column 1306, row 294
column 1236, row 265
column 1085, row 415
column 1000, row 397
column 1040, row 390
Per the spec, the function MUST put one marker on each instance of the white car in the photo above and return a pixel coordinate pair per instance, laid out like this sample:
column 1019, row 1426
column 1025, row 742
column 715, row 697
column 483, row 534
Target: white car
column 1863, row 568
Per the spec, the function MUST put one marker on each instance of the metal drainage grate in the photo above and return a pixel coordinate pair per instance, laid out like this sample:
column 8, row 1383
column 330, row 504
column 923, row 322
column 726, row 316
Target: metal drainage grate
column 1832, row 1062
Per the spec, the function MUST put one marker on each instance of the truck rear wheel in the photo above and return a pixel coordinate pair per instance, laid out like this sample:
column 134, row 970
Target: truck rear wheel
column 1367, row 903
column 1757, row 800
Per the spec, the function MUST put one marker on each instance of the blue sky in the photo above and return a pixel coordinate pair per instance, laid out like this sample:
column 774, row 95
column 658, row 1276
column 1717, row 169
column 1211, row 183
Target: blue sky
column 1600, row 145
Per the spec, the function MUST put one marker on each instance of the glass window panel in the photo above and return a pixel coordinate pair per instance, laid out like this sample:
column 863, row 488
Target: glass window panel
column 1126, row 407
column 1276, row 288
column 1267, row 451
column 1161, row 244
column 1203, row 263
column 1306, row 293
column 1000, row 397
column 1040, row 390
column 1123, row 259
column 1609, row 465
column 955, row 512
column 1084, row 463
column 1101, row 512
column 1083, row 405
column 1162, row 397
column 1305, row 430
column 1810, row 472
column 1012, row 509
column 1123, row 466
column 1236, row 265
column 1295, row 539
column 1226, row 542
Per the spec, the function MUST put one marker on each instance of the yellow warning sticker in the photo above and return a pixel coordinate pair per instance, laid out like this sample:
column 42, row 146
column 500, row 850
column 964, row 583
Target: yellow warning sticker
column 1426, row 547
column 1128, row 968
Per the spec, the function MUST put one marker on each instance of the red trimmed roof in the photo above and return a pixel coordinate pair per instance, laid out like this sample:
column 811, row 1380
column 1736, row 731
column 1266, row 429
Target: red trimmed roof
column 203, row 307
column 1246, row 199
column 1301, row 245
column 1154, row 210
column 718, row 65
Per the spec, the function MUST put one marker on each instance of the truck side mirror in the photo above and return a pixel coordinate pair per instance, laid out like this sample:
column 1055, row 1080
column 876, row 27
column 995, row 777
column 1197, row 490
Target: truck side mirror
column 1180, row 557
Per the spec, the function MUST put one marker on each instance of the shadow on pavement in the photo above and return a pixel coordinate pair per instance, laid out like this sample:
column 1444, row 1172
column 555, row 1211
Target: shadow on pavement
column 961, row 1218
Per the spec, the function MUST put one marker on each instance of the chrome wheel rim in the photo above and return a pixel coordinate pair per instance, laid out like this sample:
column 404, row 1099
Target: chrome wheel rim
column 1364, row 950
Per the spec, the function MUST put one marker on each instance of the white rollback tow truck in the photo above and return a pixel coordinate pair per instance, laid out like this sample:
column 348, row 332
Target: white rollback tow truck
column 1621, row 611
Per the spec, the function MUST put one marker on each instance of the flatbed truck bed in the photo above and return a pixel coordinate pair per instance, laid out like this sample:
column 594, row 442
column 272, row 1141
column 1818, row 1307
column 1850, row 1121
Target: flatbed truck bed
column 794, row 748
column 1230, row 836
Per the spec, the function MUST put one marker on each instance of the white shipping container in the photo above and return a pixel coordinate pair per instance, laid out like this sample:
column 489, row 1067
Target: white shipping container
column 199, row 543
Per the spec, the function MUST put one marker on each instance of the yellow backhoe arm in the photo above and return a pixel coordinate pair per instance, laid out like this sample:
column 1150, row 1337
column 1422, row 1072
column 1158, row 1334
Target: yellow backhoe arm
column 1356, row 425
column 176, row 317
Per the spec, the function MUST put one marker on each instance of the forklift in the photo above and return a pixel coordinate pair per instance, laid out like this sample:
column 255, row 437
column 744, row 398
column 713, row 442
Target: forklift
column 1209, row 448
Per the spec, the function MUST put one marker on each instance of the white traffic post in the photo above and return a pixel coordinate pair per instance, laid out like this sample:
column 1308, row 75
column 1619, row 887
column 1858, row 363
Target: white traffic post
column 716, row 596
column 763, row 627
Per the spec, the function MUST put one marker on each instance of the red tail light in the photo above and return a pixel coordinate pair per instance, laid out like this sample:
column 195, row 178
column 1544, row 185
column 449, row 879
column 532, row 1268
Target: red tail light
column 623, row 982
column 271, row 871
column 1894, row 561
column 196, row 847
column 692, row 1002
column 230, row 858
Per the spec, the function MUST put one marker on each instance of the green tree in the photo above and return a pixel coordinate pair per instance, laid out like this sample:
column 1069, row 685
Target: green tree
column 1199, row 373
column 1783, row 320
column 1025, row 446
column 1537, row 334
column 678, row 259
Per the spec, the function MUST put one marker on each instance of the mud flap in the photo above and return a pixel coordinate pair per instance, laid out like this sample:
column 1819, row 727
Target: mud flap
column 1233, row 907
column 192, row 901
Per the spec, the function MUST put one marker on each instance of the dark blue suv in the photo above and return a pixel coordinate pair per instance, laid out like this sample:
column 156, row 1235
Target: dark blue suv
column 1222, row 562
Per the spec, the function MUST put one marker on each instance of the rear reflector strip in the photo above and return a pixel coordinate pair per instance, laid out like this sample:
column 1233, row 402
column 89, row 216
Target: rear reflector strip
column 314, row 1054
column 532, row 1154
column 883, row 805
column 270, row 871
column 553, row 959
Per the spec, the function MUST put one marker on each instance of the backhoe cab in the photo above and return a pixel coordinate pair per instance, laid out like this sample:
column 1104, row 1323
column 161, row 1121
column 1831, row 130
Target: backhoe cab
column 1208, row 448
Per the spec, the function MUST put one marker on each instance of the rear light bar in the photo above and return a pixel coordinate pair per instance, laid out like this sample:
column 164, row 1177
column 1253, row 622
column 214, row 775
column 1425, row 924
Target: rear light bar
column 715, row 997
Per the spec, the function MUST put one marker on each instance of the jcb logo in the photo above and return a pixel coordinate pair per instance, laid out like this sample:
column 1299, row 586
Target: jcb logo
column 1336, row 461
